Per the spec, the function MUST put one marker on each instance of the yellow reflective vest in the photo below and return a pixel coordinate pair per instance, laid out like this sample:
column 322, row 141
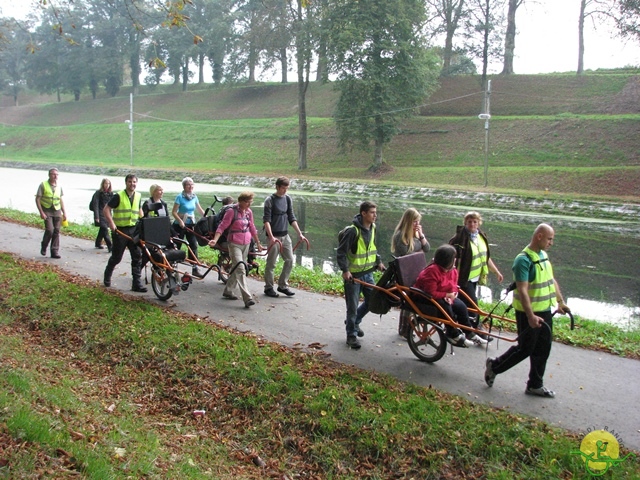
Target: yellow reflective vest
column 479, row 267
column 366, row 256
column 542, row 290
column 50, row 197
column 127, row 214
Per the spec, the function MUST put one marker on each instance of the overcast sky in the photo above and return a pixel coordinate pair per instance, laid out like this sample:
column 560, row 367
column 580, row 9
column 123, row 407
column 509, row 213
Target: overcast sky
column 547, row 38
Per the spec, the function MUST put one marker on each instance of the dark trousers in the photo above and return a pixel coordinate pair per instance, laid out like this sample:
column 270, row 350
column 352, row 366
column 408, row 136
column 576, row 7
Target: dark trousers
column 51, row 234
column 534, row 343
column 471, row 289
column 457, row 311
column 191, row 238
column 120, row 245
column 103, row 234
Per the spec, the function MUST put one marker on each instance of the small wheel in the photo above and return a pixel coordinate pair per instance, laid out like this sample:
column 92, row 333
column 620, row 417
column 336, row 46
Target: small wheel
column 160, row 283
column 426, row 341
column 224, row 263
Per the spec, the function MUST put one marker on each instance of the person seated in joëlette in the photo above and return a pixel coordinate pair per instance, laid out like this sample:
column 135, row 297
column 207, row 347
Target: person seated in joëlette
column 440, row 280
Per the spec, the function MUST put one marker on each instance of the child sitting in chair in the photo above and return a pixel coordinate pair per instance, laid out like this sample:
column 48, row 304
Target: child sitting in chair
column 440, row 280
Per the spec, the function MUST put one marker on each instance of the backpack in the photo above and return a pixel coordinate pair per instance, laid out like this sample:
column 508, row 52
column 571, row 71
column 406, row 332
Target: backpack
column 341, row 233
column 379, row 302
column 92, row 201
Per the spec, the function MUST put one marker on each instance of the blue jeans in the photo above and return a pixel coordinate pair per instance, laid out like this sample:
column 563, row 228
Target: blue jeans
column 352, row 292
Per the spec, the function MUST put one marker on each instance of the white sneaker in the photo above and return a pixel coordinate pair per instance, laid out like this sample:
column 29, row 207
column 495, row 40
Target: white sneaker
column 461, row 341
column 478, row 340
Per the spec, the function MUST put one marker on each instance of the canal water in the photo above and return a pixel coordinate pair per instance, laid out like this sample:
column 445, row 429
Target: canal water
column 596, row 262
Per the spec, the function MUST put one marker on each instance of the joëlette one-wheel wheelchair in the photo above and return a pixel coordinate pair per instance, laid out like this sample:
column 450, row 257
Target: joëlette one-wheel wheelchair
column 165, row 257
column 428, row 319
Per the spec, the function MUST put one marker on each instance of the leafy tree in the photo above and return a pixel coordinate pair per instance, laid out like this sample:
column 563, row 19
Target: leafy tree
column 383, row 68
column 628, row 18
column 13, row 58
column 449, row 14
column 484, row 29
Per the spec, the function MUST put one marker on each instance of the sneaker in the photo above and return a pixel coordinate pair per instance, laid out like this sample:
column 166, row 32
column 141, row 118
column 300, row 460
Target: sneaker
column 460, row 341
column 478, row 340
column 270, row 292
column 353, row 342
column 540, row 392
column 360, row 332
column 196, row 273
column 489, row 374
column 286, row 291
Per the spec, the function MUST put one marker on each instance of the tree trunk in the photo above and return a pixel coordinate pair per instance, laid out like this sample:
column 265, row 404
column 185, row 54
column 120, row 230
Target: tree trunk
column 303, row 83
column 284, row 65
column 379, row 143
column 200, row 68
column 583, row 6
column 321, row 72
column 185, row 74
column 510, row 37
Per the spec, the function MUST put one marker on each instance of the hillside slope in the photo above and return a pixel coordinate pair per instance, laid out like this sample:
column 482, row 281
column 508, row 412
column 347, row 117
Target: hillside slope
column 571, row 135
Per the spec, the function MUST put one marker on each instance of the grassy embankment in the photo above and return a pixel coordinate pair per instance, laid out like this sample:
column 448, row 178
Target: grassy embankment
column 108, row 389
column 556, row 136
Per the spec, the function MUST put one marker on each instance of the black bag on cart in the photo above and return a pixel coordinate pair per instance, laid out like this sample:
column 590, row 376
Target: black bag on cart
column 379, row 302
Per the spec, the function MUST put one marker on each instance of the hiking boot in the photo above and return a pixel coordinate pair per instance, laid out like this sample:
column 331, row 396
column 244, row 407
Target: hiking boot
column 353, row 342
column 139, row 288
column 489, row 374
column 540, row 392
column 270, row 292
column 286, row 291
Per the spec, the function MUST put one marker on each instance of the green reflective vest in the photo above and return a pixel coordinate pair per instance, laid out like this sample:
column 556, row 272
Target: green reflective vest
column 479, row 267
column 127, row 214
column 365, row 257
column 542, row 290
column 50, row 197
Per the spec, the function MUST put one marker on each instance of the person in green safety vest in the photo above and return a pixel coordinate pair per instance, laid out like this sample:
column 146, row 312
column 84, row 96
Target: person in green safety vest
column 122, row 213
column 358, row 257
column 537, row 291
column 473, row 260
column 51, row 208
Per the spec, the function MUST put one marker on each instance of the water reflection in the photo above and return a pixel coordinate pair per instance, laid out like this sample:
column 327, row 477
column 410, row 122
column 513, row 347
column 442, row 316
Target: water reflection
column 594, row 260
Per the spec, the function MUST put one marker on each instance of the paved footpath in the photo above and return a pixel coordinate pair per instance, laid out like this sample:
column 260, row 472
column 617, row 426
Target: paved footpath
column 593, row 389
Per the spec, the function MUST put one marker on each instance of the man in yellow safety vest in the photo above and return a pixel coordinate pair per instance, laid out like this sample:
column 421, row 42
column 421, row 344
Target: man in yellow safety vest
column 51, row 208
column 537, row 291
column 122, row 213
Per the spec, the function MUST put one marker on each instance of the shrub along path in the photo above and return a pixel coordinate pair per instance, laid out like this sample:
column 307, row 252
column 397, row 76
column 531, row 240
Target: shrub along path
column 593, row 389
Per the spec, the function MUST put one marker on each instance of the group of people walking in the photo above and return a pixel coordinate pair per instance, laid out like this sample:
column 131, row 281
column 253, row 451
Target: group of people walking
column 460, row 265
